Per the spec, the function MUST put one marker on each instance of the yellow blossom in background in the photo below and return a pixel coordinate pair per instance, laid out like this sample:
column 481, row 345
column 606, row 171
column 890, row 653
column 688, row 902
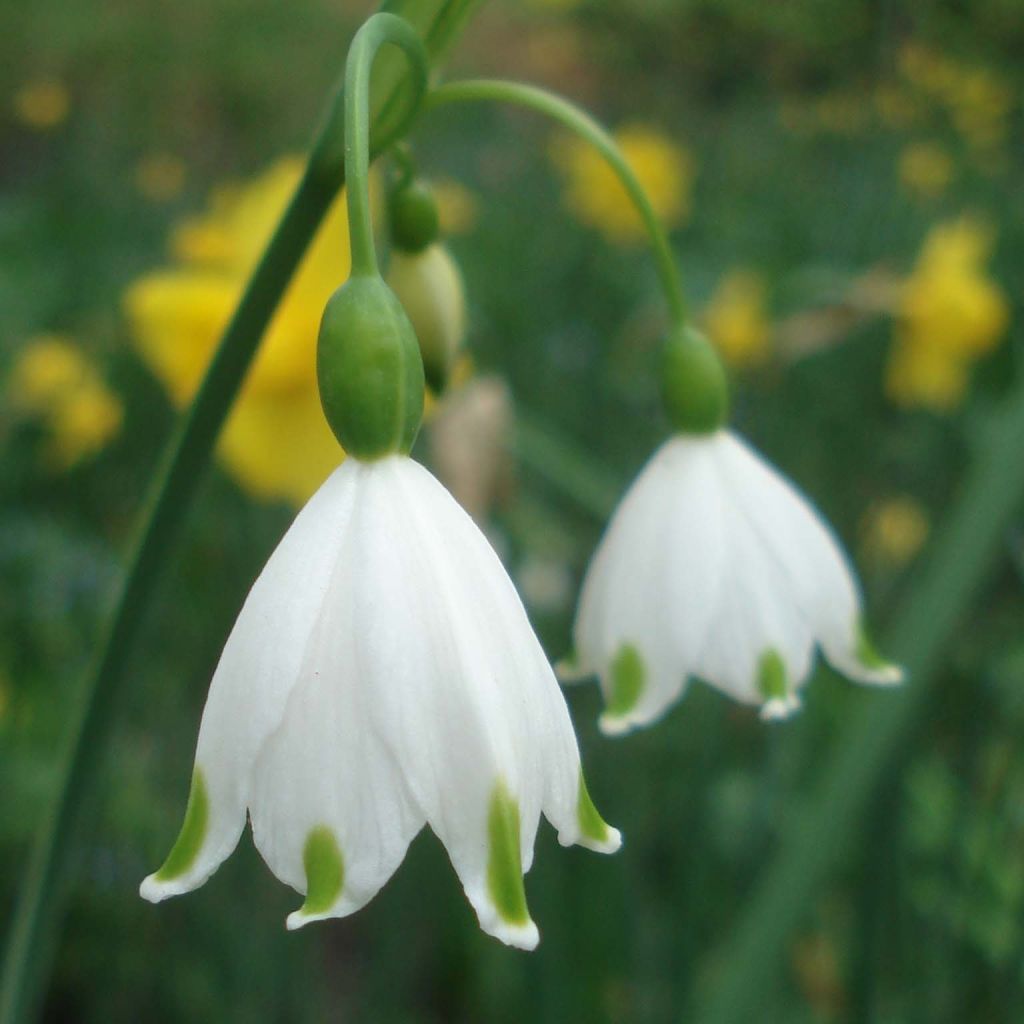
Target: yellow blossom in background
column 736, row 318
column 457, row 206
column 595, row 195
column 53, row 382
column 928, row 70
column 926, row 169
column 42, row 105
column 160, row 177
column 981, row 107
column 894, row 530
column 950, row 312
column 276, row 442
column 978, row 100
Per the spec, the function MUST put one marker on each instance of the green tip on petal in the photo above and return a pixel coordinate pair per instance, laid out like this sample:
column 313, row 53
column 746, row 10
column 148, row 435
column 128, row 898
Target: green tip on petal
column 628, row 675
column 592, row 825
column 325, row 871
column 867, row 653
column 193, row 831
column 504, row 863
column 772, row 683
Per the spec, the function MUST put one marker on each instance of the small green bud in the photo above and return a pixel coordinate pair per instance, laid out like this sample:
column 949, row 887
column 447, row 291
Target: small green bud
column 414, row 219
column 429, row 286
column 369, row 369
column 694, row 387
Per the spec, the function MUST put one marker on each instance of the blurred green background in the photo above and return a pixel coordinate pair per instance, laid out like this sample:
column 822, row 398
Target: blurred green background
column 843, row 179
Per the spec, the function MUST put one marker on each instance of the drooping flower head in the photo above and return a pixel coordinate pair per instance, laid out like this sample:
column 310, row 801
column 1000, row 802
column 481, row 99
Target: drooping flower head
column 382, row 675
column 714, row 567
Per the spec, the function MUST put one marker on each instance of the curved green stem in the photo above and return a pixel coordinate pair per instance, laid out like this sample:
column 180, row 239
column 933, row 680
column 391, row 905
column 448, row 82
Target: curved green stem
column 35, row 922
column 378, row 30
column 581, row 123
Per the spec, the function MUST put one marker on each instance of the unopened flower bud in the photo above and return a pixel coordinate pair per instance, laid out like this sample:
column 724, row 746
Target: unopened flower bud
column 429, row 286
column 369, row 370
column 413, row 216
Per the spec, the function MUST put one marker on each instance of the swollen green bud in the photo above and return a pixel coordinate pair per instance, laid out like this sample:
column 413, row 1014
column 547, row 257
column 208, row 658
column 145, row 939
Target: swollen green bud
column 369, row 369
column 413, row 216
column 693, row 383
column 429, row 286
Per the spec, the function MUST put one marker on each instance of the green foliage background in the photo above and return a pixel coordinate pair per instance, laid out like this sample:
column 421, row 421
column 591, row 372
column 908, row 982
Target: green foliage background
column 923, row 921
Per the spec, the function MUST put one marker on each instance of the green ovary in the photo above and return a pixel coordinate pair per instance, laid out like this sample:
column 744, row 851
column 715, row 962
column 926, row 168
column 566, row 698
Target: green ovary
column 325, row 871
column 628, row 675
column 193, row 832
column 504, row 864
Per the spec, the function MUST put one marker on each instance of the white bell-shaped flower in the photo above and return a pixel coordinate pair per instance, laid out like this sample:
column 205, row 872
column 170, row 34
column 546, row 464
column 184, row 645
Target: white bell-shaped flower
column 715, row 567
column 382, row 675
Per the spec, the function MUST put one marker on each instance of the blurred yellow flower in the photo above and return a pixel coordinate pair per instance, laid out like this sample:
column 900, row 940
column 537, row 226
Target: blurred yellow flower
column 979, row 101
column 981, row 107
column 457, row 206
column 894, row 531
column 160, row 177
column 595, row 195
column 928, row 70
column 926, row 169
column 276, row 442
column 950, row 313
column 42, row 105
column 736, row 318
column 52, row 381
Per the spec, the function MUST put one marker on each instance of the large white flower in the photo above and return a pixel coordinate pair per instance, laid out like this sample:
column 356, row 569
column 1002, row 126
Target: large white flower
column 715, row 567
column 382, row 675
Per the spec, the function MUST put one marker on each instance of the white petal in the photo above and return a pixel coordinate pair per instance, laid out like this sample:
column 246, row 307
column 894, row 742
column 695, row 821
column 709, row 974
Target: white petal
column 652, row 586
column 258, row 668
column 805, row 548
column 758, row 613
column 328, row 767
column 467, row 699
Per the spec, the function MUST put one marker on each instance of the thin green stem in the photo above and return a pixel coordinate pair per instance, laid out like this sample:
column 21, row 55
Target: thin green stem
column 581, row 123
column 34, row 925
column 375, row 33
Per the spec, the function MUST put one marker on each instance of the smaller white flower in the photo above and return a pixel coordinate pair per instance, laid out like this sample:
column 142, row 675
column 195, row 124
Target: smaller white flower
column 382, row 675
column 715, row 567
